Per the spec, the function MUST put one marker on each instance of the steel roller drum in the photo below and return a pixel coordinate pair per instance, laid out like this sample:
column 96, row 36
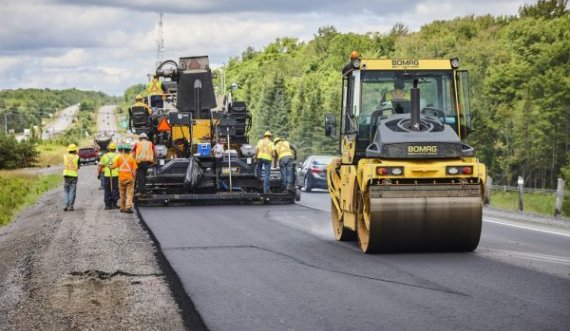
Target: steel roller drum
column 420, row 218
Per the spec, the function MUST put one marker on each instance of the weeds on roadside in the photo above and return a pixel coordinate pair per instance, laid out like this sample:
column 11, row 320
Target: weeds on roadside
column 18, row 192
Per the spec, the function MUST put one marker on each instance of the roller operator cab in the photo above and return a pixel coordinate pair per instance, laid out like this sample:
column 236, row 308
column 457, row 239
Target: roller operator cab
column 405, row 180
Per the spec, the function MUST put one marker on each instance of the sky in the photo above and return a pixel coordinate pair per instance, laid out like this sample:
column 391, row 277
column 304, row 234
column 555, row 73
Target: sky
column 109, row 45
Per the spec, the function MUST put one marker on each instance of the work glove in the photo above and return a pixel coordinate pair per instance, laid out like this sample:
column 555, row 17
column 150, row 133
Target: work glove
column 99, row 176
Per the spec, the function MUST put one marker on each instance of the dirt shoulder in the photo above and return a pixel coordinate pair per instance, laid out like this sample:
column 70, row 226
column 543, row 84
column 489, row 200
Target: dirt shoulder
column 90, row 269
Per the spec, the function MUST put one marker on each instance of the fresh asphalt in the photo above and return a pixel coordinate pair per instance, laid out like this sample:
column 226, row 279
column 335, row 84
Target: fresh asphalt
column 279, row 268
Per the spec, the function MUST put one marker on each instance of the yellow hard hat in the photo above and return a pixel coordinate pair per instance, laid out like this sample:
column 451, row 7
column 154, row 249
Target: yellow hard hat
column 267, row 134
column 277, row 140
column 72, row 148
column 139, row 97
column 112, row 146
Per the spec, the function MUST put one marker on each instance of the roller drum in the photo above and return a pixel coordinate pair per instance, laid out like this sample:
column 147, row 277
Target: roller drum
column 445, row 218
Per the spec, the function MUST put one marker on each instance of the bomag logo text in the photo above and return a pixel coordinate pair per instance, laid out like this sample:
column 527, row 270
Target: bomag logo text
column 405, row 63
column 422, row 149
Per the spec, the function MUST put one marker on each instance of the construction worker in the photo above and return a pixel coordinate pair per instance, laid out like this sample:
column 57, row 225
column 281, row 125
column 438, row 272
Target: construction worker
column 70, row 175
column 127, row 167
column 144, row 152
column 110, row 177
column 397, row 96
column 139, row 102
column 263, row 153
column 155, row 90
column 285, row 153
column 398, row 93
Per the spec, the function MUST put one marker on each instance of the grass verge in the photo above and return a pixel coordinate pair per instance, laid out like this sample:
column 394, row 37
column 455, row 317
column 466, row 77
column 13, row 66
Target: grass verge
column 50, row 154
column 538, row 203
column 17, row 191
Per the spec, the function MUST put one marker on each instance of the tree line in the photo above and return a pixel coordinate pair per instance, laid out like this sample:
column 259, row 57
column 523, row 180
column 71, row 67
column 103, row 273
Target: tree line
column 25, row 108
column 519, row 78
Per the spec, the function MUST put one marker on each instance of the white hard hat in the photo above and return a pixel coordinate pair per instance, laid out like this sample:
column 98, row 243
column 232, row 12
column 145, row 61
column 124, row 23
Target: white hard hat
column 143, row 135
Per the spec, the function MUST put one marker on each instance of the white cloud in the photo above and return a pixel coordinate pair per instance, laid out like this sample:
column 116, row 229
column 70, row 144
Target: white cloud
column 72, row 58
column 109, row 45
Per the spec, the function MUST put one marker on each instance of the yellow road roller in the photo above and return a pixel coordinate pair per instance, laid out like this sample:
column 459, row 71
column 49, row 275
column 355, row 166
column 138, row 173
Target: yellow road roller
column 405, row 179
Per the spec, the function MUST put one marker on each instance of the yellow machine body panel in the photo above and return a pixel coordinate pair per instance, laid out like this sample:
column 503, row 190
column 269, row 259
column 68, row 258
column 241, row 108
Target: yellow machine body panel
column 201, row 131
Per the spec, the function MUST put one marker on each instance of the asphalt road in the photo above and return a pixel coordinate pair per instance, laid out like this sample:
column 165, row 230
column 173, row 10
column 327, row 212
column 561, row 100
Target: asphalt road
column 62, row 121
column 279, row 268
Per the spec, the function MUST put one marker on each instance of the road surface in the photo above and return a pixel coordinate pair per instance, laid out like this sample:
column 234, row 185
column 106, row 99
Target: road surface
column 63, row 121
column 279, row 268
column 107, row 123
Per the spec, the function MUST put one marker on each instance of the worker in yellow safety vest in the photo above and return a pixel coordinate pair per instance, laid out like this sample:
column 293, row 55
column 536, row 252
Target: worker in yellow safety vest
column 144, row 152
column 263, row 154
column 70, row 175
column 110, row 177
column 139, row 102
column 127, row 167
column 155, row 90
column 285, row 153
column 397, row 96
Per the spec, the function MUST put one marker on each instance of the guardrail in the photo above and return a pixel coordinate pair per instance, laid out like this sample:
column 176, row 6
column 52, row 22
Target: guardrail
column 506, row 188
column 560, row 192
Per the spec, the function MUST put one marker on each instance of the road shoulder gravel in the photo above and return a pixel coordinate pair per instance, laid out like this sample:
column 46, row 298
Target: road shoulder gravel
column 522, row 217
column 90, row 269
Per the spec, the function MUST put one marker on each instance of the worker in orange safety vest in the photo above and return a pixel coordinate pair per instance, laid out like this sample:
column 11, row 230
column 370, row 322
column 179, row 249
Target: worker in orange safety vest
column 144, row 152
column 127, row 169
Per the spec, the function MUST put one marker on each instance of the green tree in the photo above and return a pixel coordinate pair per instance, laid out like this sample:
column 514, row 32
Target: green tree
column 545, row 9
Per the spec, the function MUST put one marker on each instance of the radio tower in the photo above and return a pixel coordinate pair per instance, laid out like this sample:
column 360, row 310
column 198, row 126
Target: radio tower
column 159, row 43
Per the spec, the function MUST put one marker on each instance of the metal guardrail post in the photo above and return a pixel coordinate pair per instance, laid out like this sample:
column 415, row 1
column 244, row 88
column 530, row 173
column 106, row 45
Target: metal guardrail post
column 559, row 196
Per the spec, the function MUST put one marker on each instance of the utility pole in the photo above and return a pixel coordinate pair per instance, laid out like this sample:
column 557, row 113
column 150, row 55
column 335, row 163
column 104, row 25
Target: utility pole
column 159, row 43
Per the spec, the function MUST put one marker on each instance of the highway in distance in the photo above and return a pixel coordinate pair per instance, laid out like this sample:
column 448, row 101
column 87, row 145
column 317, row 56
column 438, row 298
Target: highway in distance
column 279, row 268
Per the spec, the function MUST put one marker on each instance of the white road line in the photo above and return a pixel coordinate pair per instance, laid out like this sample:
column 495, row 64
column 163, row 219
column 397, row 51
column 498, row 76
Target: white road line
column 528, row 227
column 524, row 256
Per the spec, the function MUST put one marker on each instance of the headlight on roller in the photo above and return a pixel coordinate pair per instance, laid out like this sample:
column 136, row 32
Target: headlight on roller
column 389, row 171
column 459, row 170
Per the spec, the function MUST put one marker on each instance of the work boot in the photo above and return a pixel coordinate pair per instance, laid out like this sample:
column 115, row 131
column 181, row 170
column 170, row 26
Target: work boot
column 107, row 208
column 129, row 211
column 65, row 209
column 70, row 208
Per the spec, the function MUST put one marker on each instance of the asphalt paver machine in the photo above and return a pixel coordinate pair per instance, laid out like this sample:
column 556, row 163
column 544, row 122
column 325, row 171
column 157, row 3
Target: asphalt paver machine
column 203, row 152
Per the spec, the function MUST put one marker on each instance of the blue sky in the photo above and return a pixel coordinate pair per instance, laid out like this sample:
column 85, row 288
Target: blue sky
column 109, row 45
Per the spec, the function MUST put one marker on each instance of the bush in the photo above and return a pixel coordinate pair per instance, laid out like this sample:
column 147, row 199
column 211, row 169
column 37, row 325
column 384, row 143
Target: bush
column 14, row 154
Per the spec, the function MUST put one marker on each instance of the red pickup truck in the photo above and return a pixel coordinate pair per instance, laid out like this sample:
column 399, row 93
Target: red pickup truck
column 88, row 155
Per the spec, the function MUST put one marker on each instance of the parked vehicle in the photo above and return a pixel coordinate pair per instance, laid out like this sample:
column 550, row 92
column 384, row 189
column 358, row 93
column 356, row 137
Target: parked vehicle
column 88, row 155
column 314, row 171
